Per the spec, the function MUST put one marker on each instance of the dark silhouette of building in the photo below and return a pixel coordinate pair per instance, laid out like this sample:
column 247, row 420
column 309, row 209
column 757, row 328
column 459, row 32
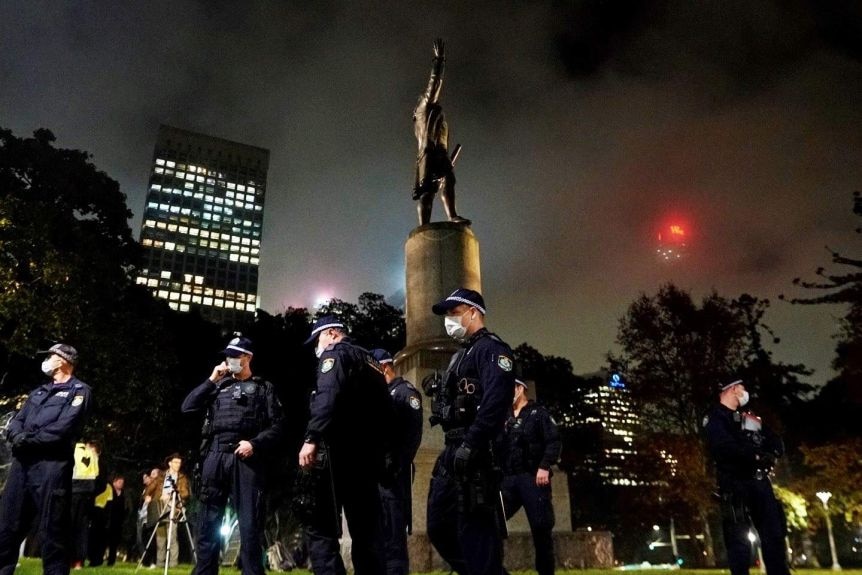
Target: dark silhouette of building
column 202, row 226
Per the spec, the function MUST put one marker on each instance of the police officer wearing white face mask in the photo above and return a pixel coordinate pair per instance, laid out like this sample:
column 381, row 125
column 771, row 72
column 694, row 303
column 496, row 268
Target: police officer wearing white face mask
column 745, row 452
column 38, row 489
column 243, row 426
column 465, row 517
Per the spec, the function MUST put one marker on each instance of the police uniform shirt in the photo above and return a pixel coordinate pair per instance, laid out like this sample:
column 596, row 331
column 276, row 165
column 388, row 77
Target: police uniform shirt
column 488, row 360
column 407, row 403
column 241, row 410
column 735, row 455
column 351, row 406
column 51, row 419
column 531, row 440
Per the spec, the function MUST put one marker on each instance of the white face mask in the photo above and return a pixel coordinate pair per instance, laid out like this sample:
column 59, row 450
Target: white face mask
column 234, row 364
column 744, row 399
column 49, row 366
column 453, row 326
column 318, row 351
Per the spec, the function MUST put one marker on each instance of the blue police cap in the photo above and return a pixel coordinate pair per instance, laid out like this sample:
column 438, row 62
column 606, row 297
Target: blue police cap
column 382, row 356
column 63, row 350
column 458, row 297
column 239, row 346
column 522, row 382
column 323, row 323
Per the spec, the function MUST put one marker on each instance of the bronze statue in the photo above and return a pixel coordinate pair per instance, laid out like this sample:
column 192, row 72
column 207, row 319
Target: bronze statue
column 433, row 164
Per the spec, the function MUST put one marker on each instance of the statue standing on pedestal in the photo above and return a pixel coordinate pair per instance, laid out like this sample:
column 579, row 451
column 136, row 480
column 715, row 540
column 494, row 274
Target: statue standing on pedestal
column 433, row 164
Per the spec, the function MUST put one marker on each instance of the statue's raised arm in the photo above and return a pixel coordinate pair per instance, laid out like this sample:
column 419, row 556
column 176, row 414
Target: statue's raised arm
column 435, row 81
column 433, row 164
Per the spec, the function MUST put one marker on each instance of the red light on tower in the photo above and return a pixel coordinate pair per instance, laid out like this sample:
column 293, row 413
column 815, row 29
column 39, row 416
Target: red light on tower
column 671, row 243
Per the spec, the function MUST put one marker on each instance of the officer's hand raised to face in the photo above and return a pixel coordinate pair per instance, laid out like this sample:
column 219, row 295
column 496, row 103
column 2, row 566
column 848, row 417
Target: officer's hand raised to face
column 543, row 477
column 219, row 372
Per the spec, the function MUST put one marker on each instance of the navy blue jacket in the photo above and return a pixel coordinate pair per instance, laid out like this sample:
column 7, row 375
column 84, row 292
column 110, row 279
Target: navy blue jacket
column 531, row 440
column 240, row 410
column 487, row 360
column 50, row 421
column 737, row 457
column 351, row 409
column 407, row 430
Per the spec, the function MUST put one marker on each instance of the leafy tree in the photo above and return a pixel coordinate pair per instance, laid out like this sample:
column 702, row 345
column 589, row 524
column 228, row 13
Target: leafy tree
column 840, row 400
column 372, row 322
column 66, row 274
column 836, row 467
column 674, row 353
column 57, row 211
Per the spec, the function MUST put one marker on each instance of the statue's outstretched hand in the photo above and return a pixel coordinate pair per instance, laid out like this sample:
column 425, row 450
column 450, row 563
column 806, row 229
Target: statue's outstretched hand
column 439, row 49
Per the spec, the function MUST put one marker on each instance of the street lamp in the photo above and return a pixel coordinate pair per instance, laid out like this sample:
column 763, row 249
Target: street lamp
column 824, row 496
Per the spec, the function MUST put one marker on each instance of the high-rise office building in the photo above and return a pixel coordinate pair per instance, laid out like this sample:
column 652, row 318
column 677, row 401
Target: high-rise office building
column 203, row 222
column 609, row 414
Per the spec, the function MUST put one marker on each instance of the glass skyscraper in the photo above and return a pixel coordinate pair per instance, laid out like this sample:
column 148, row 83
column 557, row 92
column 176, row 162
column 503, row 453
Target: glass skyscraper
column 614, row 423
column 203, row 222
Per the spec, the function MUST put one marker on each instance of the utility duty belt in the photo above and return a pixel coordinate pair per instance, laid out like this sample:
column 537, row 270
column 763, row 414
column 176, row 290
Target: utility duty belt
column 455, row 436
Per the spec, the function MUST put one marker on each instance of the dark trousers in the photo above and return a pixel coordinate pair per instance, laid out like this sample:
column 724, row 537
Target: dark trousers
column 767, row 517
column 356, row 493
column 97, row 539
column 39, row 490
column 81, row 509
column 226, row 476
column 396, row 503
column 521, row 491
column 115, row 535
column 469, row 540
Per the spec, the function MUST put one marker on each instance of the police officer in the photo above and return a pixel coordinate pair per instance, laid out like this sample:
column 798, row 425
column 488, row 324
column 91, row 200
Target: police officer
column 396, row 493
column 243, row 426
column 346, row 434
column 745, row 452
column 39, row 484
column 530, row 446
column 472, row 402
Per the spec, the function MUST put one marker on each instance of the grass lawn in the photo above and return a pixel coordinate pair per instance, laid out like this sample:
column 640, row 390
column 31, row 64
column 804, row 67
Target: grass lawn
column 34, row 567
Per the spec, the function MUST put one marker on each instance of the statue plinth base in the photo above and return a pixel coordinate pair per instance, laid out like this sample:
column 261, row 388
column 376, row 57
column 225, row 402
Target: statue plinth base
column 439, row 258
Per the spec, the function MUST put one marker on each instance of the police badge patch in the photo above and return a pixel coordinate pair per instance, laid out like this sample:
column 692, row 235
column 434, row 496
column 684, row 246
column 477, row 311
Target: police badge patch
column 79, row 399
column 414, row 403
column 327, row 364
column 505, row 363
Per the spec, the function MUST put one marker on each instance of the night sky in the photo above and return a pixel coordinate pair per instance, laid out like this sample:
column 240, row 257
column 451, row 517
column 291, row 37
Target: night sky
column 585, row 127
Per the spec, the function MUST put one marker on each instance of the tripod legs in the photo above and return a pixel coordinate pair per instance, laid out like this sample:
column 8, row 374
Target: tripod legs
column 172, row 518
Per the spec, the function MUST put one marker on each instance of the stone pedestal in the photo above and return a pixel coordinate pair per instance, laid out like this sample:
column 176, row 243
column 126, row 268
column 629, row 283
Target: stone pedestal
column 439, row 258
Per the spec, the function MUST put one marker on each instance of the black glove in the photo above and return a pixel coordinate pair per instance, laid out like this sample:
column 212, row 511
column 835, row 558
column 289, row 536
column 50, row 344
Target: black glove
column 20, row 443
column 461, row 464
